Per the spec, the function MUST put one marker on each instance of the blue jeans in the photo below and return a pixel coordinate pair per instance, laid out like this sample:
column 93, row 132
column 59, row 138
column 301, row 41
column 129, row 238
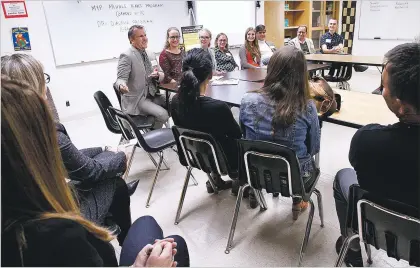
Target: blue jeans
column 144, row 231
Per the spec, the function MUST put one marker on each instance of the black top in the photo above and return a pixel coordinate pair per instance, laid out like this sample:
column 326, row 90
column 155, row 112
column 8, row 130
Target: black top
column 56, row 242
column 213, row 117
column 304, row 47
column 331, row 40
column 387, row 161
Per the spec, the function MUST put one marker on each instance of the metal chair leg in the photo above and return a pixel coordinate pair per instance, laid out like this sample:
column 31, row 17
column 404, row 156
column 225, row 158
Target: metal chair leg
column 307, row 232
column 344, row 248
column 184, row 191
column 194, row 180
column 368, row 253
column 156, row 164
column 213, row 184
column 155, row 179
column 235, row 217
column 129, row 162
column 320, row 206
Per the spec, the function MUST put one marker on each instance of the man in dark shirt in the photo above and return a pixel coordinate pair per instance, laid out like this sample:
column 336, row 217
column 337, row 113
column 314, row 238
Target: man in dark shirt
column 331, row 41
column 386, row 159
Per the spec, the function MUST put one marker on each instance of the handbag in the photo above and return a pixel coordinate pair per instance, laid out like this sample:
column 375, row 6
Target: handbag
column 326, row 100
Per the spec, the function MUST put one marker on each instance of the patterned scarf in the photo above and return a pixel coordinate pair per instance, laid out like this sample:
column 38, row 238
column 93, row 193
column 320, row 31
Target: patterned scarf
column 150, row 82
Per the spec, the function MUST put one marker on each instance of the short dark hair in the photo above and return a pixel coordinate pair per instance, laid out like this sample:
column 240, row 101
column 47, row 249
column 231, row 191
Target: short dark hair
column 259, row 28
column 403, row 67
column 304, row 26
column 131, row 30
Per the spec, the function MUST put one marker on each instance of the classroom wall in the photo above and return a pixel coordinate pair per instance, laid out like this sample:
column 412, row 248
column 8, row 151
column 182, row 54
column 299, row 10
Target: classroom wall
column 73, row 83
column 372, row 47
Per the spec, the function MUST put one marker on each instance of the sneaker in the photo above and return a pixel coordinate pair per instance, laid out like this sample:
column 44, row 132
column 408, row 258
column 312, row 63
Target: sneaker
column 353, row 257
column 253, row 203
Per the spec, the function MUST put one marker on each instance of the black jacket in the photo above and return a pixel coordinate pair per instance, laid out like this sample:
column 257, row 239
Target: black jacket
column 55, row 242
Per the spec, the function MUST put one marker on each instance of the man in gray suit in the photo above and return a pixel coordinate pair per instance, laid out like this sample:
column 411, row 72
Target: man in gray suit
column 137, row 80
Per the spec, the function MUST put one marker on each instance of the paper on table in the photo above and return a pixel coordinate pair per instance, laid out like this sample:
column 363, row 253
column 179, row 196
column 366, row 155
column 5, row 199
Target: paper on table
column 215, row 77
column 225, row 82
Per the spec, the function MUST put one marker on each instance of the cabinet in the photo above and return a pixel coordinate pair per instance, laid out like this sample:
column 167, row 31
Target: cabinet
column 282, row 19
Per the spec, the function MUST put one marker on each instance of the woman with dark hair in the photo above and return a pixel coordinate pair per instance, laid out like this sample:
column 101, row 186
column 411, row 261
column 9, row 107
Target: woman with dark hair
column 282, row 111
column 41, row 224
column 224, row 58
column 249, row 53
column 170, row 59
column 193, row 110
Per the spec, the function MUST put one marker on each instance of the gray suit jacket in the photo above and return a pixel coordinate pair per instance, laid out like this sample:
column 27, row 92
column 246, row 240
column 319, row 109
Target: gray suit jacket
column 131, row 72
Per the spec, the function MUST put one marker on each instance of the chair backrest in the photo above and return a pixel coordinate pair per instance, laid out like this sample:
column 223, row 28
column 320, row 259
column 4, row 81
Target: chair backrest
column 270, row 166
column 104, row 105
column 118, row 93
column 200, row 150
column 129, row 128
column 341, row 71
column 386, row 224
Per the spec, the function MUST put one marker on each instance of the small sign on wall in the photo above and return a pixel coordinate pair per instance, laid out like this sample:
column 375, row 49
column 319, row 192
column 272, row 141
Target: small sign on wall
column 20, row 36
column 14, row 9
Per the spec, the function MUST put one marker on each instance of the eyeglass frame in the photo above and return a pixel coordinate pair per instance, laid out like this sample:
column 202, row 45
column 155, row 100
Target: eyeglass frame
column 47, row 78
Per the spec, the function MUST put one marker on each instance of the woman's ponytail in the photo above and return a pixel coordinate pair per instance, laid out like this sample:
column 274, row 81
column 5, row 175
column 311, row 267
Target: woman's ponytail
column 196, row 68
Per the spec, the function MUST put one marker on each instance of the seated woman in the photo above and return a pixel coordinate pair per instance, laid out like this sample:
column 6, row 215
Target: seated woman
column 224, row 58
column 7, row 66
column 41, row 222
column 95, row 172
column 170, row 59
column 193, row 110
column 249, row 53
column 285, row 113
column 205, row 42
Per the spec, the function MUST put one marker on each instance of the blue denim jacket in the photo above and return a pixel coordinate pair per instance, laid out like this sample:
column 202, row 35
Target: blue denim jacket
column 303, row 136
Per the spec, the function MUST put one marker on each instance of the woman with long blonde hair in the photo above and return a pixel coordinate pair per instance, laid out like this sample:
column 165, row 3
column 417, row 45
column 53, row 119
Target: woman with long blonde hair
column 41, row 222
column 250, row 53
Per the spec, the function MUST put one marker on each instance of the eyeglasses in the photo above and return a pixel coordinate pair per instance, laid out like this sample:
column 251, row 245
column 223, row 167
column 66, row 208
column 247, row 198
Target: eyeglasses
column 204, row 37
column 47, row 78
column 173, row 37
column 301, row 32
column 222, row 40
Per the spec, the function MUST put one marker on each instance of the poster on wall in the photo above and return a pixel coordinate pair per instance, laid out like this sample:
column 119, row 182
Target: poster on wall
column 14, row 9
column 20, row 36
column 190, row 36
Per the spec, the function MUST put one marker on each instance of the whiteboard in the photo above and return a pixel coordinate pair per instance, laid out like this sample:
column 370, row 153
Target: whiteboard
column 398, row 20
column 84, row 31
column 229, row 17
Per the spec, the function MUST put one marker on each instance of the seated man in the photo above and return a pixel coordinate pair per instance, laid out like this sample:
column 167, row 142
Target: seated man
column 301, row 42
column 137, row 80
column 386, row 158
column 331, row 41
column 266, row 48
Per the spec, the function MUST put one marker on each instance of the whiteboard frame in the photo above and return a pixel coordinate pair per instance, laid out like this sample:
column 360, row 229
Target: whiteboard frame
column 83, row 62
column 359, row 3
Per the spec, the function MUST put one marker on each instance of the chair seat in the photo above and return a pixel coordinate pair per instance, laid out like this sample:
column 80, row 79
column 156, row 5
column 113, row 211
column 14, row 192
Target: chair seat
column 159, row 139
column 142, row 121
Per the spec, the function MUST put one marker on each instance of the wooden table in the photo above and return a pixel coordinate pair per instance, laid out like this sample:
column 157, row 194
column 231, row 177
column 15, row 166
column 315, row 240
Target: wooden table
column 258, row 75
column 364, row 60
column 357, row 109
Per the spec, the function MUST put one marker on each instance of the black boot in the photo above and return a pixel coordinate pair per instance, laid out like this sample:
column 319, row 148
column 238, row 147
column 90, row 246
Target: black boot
column 353, row 257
